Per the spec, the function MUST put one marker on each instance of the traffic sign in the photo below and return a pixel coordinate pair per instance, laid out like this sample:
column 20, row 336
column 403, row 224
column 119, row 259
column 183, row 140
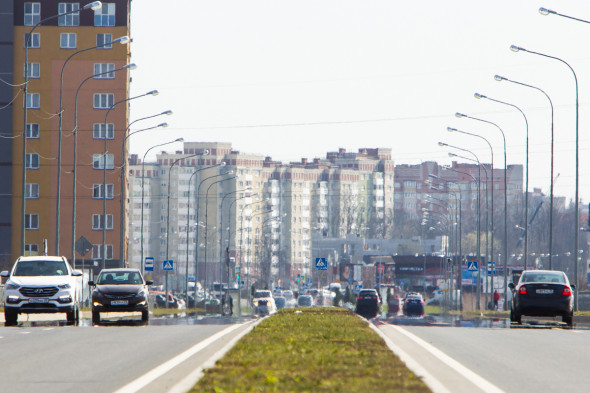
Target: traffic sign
column 321, row 264
column 149, row 264
column 309, row 281
column 168, row 265
column 472, row 266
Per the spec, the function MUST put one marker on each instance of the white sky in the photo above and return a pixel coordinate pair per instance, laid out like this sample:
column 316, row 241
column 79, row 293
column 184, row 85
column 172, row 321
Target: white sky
column 293, row 79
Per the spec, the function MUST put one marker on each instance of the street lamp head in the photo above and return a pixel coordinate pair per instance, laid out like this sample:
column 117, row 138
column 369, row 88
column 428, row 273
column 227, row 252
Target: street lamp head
column 451, row 129
column 228, row 173
column 168, row 112
column 163, row 125
column 131, row 66
column 94, row 6
column 453, row 155
column 122, row 40
column 222, row 163
column 545, row 11
column 479, row 96
column 179, row 140
column 459, row 115
column 152, row 93
column 499, row 78
column 433, row 176
column 515, row 48
column 442, row 144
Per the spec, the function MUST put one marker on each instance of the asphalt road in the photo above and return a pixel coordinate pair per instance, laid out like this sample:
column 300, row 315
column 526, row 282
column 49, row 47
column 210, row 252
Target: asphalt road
column 516, row 360
column 51, row 357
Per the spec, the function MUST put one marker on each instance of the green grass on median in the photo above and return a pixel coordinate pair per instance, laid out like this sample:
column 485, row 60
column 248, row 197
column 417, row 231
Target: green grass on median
column 310, row 350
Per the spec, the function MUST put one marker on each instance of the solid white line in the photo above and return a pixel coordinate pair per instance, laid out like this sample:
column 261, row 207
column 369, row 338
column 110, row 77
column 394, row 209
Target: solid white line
column 162, row 369
column 190, row 380
column 476, row 379
column 434, row 384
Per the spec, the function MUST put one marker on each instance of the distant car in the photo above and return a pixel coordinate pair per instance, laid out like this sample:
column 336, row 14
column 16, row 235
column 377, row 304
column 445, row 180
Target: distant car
column 542, row 293
column 413, row 305
column 304, row 301
column 288, row 294
column 280, row 302
column 367, row 303
column 120, row 290
column 263, row 303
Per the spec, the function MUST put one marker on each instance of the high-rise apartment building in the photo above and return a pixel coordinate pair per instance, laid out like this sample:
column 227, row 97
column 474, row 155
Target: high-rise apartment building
column 78, row 45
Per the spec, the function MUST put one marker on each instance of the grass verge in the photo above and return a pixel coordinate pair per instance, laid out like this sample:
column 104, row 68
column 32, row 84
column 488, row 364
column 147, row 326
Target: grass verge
column 310, row 350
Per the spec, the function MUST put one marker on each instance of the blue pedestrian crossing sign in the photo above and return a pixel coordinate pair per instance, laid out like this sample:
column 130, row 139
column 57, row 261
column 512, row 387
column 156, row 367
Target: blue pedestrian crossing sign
column 168, row 265
column 321, row 264
column 472, row 266
column 149, row 264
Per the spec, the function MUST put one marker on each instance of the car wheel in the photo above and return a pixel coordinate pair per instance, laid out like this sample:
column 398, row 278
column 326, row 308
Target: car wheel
column 145, row 315
column 568, row 319
column 95, row 317
column 10, row 317
column 72, row 316
column 517, row 317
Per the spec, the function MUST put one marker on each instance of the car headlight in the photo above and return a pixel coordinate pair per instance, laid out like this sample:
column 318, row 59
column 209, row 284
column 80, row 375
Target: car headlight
column 141, row 293
column 64, row 286
column 11, row 286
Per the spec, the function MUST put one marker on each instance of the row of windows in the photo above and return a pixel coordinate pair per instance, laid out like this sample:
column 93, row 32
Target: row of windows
column 105, row 16
column 99, row 131
column 33, row 250
column 98, row 221
column 98, row 161
column 100, row 101
column 69, row 41
column 32, row 191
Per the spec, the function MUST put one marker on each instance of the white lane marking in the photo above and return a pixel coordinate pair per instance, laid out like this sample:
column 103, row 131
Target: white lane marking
column 476, row 379
column 25, row 332
column 434, row 384
column 190, row 380
column 163, row 368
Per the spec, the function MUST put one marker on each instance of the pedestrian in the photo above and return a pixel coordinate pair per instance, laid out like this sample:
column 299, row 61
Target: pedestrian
column 496, row 298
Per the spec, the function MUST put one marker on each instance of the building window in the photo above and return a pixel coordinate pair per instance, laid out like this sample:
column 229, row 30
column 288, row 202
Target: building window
column 104, row 71
column 31, row 190
column 96, row 254
column 34, row 41
column 103, row 100
column 98, row 131
column 104, row 41
column 67, row 40
column 31, row 221
column 34, row 70
column 98, row 193
column 32, row 14
column 72, row 19
column 98, row 161
column 98, row 221
column 31, row 250
column 105, row 16
column 32, row 131
column 32, row 161
column 33, row 101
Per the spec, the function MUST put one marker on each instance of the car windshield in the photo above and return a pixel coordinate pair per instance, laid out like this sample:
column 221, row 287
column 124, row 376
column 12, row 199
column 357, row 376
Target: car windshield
column 262, row 294
column 556, row 277
column 40, row 268
column 119, row 278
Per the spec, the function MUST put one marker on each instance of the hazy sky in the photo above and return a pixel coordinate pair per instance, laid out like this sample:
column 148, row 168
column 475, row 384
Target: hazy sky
column 294, row 79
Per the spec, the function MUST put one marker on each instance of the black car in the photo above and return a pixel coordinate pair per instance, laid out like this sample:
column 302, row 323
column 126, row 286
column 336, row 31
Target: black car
column 413, row 305
column 542, row 293
column 367, row 303
column 120, row 290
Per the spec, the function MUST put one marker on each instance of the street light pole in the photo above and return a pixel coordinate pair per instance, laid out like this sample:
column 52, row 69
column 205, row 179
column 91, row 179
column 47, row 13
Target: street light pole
column 499, row 79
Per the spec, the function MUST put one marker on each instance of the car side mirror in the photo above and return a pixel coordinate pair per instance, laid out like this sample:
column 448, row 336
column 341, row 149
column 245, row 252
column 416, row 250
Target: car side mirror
column 573, row 286
column 77, row 273
column 4, row 273
column 511, row 286
column 149, row 282
column 91, row 283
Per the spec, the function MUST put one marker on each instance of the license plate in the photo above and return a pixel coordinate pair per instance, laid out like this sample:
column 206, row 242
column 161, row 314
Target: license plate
column 38, row 300
column 119, row 302
column 544, row 291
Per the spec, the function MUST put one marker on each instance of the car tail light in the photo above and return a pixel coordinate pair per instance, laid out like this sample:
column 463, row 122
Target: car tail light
column 358, row 298
column 566, row 291
column 522, row 290
column 421, row 301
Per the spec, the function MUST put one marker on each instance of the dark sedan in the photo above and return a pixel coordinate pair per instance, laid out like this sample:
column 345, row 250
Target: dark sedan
column 120, row 290
column 542, row 293
column 413, row 305
column 367, row 303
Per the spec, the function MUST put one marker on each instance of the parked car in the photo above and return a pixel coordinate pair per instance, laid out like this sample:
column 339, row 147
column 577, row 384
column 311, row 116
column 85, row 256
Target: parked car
column 413, row 304
column 263, row 303
column 542, row 293
column 42, row 284
column 120, row 290
column 304, row 301
column 280, row 302
column 367, row 303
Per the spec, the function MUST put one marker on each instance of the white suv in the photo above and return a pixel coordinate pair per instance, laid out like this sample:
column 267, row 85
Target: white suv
column 42, row 284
